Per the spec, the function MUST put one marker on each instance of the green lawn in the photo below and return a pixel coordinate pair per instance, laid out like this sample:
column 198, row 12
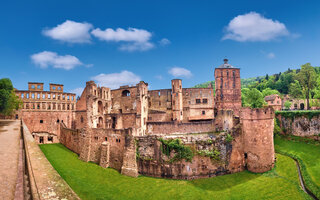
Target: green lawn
column 90, row 181
column 307, row 150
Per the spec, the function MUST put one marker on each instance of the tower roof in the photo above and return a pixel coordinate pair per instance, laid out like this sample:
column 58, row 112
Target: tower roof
column 225, row 64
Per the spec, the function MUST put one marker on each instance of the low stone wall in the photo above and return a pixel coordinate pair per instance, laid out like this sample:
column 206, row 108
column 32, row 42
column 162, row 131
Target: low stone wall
column 299, row 125
column 153, row 162
column 45, row 182
column 163, row 128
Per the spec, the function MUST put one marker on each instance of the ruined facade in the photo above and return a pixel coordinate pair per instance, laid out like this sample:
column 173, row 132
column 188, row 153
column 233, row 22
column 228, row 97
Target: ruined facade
column 123, row 128
column 42, row 111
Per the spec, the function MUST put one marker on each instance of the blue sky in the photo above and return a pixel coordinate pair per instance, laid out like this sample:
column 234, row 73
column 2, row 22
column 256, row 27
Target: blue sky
column 122, row 42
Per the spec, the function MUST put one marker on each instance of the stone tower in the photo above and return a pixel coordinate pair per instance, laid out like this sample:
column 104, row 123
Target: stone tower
column 257, row 132
column 177, row 105
column 227, row 88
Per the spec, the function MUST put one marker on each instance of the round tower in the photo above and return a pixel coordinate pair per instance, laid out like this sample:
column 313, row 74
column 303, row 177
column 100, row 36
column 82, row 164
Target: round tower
column 257, row 130
column 177, row 103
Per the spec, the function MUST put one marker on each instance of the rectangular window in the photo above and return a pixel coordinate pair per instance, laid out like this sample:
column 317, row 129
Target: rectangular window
column 21, row 96
column 198, row 101
column 203, row 112
column 32, row 95
column 49, row 96
column 41, row 121
column 38, row 86
column 43, row 96
column 204, row 100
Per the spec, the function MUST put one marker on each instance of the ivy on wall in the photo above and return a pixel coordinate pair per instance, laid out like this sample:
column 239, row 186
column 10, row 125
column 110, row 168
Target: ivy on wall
column 181, row 151
column 299, row 113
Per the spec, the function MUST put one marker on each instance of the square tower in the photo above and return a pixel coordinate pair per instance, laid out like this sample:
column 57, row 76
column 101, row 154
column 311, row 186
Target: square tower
column 227, row 88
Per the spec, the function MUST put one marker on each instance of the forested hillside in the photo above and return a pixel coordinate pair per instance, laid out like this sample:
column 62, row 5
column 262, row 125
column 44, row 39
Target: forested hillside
column 303, row 83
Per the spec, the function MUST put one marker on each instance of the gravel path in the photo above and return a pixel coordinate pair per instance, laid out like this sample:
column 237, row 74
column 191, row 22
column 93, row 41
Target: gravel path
column 9, row 153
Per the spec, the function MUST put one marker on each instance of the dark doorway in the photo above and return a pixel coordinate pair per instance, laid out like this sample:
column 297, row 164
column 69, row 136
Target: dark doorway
column 114, row 121
column 301, row 106
column 41, row 140
column 17, row 117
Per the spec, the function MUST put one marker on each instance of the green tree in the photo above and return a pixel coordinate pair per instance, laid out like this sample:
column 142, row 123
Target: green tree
column 252, row 98
column 295, row 90
column 287, row 104
column 269, row 91
column 9, row 102
column 307, row 78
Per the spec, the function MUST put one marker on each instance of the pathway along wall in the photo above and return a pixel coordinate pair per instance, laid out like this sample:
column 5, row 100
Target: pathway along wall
column 45, row 182
column 257, row 127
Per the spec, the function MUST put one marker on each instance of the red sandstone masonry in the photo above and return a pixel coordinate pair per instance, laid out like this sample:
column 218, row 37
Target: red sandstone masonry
column 161, row 128
column 257, row 127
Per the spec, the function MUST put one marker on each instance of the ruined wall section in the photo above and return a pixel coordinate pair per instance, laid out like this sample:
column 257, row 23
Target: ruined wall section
column 88, row 143
column 302, row 126
column 164, row 128
column 153, row 162
column 198, row 104
column 257, row 127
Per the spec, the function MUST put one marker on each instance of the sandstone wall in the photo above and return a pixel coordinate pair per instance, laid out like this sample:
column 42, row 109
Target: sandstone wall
column 153, row 162
column 161, row 128
column 257, row 127
column 88, row 144
column 46, row 121
column 300, row 125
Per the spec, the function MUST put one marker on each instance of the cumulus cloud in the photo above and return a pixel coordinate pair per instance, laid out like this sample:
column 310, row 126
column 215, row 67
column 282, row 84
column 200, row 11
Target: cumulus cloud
column 164, row 42
column 77, row 91
column 254, row 27
column 70, row 31
column 47, row 58
column 180, row 72
column 271, row 55
column 134, row 39
column 115, row 80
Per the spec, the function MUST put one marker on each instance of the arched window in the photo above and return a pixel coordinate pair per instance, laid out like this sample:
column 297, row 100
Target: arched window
column 125, row 93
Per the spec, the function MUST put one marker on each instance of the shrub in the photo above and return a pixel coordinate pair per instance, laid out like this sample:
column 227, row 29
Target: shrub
column 215, row 154
column 299, row 113
column 229, row 138
column 181, row 151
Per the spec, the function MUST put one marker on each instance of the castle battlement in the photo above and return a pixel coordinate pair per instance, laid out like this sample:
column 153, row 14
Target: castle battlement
column 257, row 113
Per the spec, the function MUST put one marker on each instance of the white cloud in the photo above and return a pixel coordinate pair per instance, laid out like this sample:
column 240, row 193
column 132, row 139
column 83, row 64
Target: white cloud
column 159, row 77
column 47, row 58
column 254, row 27
column 164, row 42
column 135, row 39
column 77, row 91
column 180, row 72
column 70, row 31
column 115, row 80
column 271, row 55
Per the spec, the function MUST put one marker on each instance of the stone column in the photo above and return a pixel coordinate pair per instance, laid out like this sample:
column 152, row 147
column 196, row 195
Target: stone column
column 129, row 166
column 105, row 154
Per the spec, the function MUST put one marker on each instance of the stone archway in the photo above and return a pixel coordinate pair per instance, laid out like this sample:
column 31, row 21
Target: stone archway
column 301, row 106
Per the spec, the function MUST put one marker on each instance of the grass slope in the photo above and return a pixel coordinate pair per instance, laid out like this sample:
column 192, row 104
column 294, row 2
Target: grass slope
column 307, row 150
column 90, row 181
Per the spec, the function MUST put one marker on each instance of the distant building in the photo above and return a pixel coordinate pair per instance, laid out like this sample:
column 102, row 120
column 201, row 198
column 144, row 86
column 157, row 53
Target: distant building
column 274, row 100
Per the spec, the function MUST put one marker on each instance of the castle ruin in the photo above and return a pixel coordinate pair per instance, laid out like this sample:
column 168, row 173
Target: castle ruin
column 127, row 128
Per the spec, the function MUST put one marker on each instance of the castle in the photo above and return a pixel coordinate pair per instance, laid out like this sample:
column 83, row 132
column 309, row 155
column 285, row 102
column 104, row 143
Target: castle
column 126, row 128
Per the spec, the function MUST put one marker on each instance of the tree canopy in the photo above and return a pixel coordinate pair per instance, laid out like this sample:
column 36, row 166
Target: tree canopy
column 9, row 102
